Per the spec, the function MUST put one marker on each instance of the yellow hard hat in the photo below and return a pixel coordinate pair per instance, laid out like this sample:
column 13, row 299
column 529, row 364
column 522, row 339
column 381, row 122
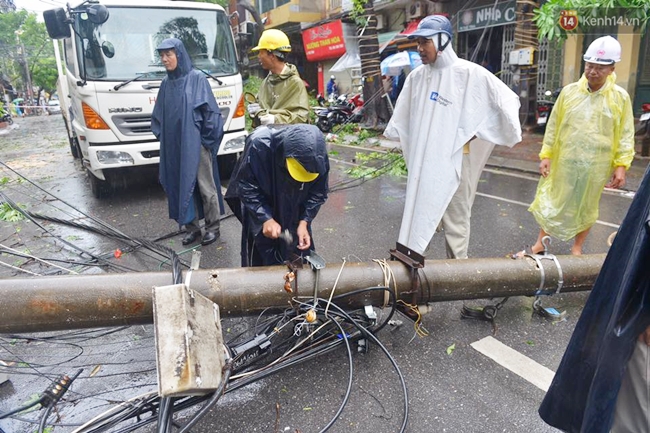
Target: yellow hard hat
column 273, row 40
column 298, row 172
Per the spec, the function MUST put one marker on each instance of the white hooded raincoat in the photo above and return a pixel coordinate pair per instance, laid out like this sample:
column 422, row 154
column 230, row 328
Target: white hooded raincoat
column 441, row 107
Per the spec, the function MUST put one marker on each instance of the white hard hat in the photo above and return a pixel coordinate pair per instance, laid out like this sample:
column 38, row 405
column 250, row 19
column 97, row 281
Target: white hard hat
column 333, row 77
column 603, row 51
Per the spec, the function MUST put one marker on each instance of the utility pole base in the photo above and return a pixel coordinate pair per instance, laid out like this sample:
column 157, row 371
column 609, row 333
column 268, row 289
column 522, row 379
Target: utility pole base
column 189, row 343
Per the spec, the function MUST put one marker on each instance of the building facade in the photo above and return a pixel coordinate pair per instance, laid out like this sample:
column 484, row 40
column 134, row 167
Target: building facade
column 500, row 35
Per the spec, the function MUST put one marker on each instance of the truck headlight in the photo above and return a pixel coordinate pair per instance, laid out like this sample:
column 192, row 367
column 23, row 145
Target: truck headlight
column 113, row 157
column 236, row 143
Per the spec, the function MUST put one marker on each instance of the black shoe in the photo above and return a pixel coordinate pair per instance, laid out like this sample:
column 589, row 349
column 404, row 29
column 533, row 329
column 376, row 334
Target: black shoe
column 191, row 237
column 209, row 237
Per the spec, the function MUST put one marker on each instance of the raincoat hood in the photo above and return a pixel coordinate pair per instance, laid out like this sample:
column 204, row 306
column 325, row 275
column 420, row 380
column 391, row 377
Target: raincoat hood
column 292, row 142
column 442, row 106
column 610, row 82
column 445, row 59
column 184, row 65
column 288, row 72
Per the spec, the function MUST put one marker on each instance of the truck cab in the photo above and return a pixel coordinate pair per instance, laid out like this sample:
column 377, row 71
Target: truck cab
column 110, row 73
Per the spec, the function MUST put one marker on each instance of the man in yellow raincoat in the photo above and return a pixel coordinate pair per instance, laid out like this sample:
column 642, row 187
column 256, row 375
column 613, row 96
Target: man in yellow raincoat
column 282, row 97
column 589, row 144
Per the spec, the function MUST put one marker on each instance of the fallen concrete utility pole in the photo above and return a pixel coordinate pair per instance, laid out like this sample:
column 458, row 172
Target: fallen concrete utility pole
column 73, row 302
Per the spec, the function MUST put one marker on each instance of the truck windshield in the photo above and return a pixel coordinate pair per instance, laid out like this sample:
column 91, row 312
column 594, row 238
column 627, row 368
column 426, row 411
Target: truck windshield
column 125, row 45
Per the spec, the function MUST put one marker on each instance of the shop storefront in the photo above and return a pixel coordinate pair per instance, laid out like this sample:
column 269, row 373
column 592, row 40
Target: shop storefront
column 486, row 35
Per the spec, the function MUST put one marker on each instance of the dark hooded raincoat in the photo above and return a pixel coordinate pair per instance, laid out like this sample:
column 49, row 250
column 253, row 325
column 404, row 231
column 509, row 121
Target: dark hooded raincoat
column 185, row 117
column 261, row 188
column 582, row 396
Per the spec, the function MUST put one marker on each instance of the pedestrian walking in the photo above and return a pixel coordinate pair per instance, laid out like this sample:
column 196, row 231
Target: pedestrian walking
column 588, row 144
column 188, row 123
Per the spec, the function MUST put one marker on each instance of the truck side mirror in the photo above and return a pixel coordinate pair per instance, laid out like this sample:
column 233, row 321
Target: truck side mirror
column 56, row 23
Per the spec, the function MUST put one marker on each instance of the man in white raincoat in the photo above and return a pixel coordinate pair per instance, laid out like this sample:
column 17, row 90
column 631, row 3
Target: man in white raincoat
column 444, row 104
column 589, row 141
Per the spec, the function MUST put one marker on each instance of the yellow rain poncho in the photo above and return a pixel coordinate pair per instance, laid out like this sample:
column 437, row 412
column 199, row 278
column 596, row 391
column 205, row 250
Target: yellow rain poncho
column 587, row 136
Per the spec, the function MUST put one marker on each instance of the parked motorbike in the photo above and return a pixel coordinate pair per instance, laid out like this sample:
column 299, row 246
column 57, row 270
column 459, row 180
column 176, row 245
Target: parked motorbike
column 545, row 106
column 341, row 112
column 6, row 117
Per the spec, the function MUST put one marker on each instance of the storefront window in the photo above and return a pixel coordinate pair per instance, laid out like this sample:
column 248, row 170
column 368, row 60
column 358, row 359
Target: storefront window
column 267, row 5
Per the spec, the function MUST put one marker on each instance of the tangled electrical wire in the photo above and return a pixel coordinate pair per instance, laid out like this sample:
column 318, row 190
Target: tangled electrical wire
column 306, row 330
column 303, row 332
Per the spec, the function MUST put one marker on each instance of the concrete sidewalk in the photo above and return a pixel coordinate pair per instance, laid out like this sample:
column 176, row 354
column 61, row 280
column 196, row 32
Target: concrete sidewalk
column 524, row 157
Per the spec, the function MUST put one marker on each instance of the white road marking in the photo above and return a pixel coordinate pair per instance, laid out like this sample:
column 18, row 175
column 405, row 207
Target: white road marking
column 521, row 203
column 514, row 361
column 619, row 192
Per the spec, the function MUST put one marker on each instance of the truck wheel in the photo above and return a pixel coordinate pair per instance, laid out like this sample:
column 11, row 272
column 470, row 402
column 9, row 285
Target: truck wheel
column 100, row 188
column 75, row 150
column 226, row 164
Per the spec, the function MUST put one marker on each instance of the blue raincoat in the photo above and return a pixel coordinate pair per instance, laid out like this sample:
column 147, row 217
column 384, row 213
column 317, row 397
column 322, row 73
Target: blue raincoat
column 582, row 396
column 261, row 188
column 185, row 117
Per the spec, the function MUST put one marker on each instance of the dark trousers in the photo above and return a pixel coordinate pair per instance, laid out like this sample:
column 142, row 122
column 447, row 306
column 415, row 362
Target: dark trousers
column 208, row 190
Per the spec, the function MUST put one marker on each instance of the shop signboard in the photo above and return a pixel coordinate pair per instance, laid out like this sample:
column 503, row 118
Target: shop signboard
column 324, row 41
column 493, row 15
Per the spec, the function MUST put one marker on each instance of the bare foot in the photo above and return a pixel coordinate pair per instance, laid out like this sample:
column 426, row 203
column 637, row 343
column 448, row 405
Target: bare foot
column 576, row 252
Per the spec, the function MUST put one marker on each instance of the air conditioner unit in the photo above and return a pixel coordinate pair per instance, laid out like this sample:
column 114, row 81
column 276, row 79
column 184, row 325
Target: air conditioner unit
column 416, row 10
column 381, row 22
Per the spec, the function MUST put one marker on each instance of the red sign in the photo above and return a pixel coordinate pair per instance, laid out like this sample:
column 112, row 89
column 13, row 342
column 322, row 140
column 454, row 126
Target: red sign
column 324, row 42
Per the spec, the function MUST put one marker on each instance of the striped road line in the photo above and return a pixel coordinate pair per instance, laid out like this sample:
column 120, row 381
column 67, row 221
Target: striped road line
column 514, row 361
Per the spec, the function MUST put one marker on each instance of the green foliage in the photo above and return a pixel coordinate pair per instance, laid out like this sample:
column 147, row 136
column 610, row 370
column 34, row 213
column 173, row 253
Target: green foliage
column 251, row 85
column 358, row 11
column 9, row 214
column 616, row 12
column 39, row 51
column 374, row 164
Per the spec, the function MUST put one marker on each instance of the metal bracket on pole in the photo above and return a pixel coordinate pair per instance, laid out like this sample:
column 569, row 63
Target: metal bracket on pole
column 317, row 263
column 546, row 241
column 414, row 262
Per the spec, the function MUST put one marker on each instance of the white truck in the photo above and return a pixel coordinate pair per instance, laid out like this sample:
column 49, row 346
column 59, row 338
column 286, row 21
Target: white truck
column 110, row 73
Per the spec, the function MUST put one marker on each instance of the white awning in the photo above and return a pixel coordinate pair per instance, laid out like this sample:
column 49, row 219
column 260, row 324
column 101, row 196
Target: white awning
column 347, row 61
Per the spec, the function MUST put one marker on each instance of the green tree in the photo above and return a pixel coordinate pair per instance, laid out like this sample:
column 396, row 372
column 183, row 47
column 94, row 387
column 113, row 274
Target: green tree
column 547, row 18
column 21, row 29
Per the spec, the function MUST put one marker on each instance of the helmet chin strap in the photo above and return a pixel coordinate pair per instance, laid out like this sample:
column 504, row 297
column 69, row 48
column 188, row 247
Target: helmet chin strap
column 441, row 42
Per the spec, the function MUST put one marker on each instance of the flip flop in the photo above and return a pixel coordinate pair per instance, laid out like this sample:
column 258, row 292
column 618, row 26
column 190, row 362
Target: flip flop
column 521, row 254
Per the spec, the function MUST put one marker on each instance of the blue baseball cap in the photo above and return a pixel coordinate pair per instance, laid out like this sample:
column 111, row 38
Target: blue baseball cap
column 432, row 25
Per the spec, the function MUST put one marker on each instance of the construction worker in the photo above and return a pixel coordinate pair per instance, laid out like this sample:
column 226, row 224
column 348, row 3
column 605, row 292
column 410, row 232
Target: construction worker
column 282, row 98
column 279, row 185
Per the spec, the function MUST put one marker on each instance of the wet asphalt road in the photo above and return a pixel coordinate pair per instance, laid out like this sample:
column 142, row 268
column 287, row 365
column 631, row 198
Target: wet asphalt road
column 458, row 390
